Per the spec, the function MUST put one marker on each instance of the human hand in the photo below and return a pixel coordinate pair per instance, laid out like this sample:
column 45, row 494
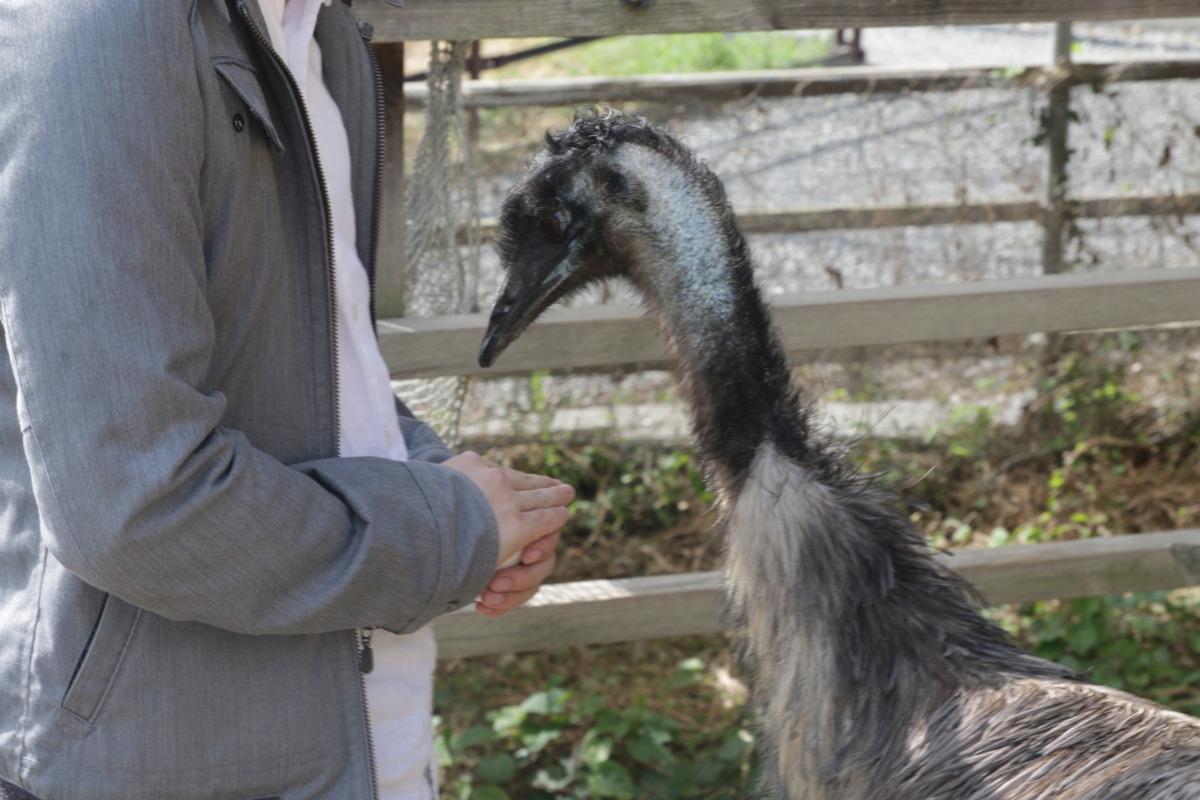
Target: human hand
column 515, row 585
column 527, row 507
column 530, row 510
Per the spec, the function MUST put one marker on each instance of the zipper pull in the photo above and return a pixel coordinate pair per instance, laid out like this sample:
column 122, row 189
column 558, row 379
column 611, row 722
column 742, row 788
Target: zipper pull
column 366, row 656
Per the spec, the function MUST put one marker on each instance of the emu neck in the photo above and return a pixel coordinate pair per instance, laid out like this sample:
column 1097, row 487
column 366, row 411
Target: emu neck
column 698, row 279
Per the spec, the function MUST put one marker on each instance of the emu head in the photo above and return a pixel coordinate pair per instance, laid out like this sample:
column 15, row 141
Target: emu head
column 585, row 211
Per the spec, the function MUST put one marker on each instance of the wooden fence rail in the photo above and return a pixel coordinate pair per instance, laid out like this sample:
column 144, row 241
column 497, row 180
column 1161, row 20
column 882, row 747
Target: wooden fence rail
column 500, row 19
column 810, row 82
column 609, row 335
column 866, row 216
column 594, row 612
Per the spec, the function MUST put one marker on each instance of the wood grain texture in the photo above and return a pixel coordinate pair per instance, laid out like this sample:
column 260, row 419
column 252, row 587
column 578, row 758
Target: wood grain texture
column 597, row 336
column 498, row 19
column 594, row 612
column 801, row 220
column 730, row 86
column 588, row 612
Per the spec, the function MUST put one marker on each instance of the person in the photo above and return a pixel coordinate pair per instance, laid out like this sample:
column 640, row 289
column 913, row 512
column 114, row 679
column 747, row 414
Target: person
column 214, row 516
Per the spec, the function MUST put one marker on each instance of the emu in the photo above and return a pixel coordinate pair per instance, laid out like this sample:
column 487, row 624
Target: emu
column 875, row 676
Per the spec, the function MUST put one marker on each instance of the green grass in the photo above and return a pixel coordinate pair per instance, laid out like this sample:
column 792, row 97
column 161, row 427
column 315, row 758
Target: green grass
column 692, row 52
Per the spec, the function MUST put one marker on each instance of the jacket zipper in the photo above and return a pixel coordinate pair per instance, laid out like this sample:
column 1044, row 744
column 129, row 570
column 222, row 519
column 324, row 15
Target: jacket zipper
column 312, row 146
column 377, row 199
column 366, row 663
column 364, row 656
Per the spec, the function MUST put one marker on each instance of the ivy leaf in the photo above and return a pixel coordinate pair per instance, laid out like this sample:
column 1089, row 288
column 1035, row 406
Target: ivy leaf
column 646, row 750
column 735, row 746
column 658, row 785
column 1083, row 637
column 442, row 751
column 551, row 701
column 597, row 750
column 557, row 777
column 536, row 739
column 506, row 718
column 659, row 727
column 488, row 793
column 610, row 722
column 611, row 780
column 475, row 735
column 686, row 674
column 680, row 680
column 591, row 706
column 701, row 773
column 497, row 769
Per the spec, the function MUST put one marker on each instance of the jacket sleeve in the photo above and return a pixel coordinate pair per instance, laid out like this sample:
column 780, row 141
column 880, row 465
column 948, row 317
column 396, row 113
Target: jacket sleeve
column 422, row 442
column 102, row 301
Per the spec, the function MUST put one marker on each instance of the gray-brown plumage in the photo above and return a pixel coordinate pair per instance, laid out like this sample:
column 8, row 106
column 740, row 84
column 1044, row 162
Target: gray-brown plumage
column 875, row 676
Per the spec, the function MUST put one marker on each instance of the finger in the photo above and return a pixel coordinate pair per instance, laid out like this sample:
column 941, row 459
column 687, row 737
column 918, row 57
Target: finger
column 548, row 497
column 541, row 548
column 520, row 529
column 523, row 576
column 488, row 611
column 523, row 481
column 541, row 522
column 507, row 600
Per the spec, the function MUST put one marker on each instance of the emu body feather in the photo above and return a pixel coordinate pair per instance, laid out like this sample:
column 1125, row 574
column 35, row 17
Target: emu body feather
column 876, row 677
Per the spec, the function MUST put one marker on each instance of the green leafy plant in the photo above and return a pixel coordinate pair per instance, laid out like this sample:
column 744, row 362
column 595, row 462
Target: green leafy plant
column 1085, row 397
column 556, row 745
column 1145, row 643
column 630, row 488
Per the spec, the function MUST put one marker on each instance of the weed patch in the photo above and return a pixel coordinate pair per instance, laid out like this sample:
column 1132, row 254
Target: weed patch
column 667, row 718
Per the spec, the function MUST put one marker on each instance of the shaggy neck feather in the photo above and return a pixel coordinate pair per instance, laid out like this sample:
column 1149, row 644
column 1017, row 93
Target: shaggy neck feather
column 824, row 572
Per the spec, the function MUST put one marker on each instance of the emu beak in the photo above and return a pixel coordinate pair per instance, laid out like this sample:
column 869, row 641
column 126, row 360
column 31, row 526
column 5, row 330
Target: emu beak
column 516, row 307
column 535, row 271
column 503, row 328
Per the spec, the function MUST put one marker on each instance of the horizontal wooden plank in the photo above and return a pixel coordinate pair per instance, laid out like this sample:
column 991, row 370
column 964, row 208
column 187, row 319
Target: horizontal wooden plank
column 730, row 86
column 801, row 220
column 498, row 19
column 588, row 612
column 608, row 335
column 594, row 612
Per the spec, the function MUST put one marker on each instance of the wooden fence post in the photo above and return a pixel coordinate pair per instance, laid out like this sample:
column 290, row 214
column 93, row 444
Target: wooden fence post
column 389, row 271
column 1058, row 119
column 1057, row 123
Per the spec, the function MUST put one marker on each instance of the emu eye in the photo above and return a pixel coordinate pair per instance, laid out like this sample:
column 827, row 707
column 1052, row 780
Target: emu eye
column 617, row 183
column 552, row 227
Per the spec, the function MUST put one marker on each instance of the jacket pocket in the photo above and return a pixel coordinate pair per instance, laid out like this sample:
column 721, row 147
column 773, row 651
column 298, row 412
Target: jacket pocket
column 242, row 77
column 101, row 659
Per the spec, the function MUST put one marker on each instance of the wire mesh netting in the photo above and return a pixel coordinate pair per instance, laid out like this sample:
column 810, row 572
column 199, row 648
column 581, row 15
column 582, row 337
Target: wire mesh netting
column 441, row 211
column 1127, row 139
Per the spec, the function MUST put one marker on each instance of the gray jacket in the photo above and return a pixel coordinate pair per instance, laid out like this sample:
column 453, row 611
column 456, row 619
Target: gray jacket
column 183, row 558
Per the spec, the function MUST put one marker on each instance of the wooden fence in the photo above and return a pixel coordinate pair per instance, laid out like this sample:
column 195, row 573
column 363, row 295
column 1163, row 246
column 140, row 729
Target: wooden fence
column 502, row 19
column 808, row 82
column 607, row 336
column 592, row 612
column 612, row 335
